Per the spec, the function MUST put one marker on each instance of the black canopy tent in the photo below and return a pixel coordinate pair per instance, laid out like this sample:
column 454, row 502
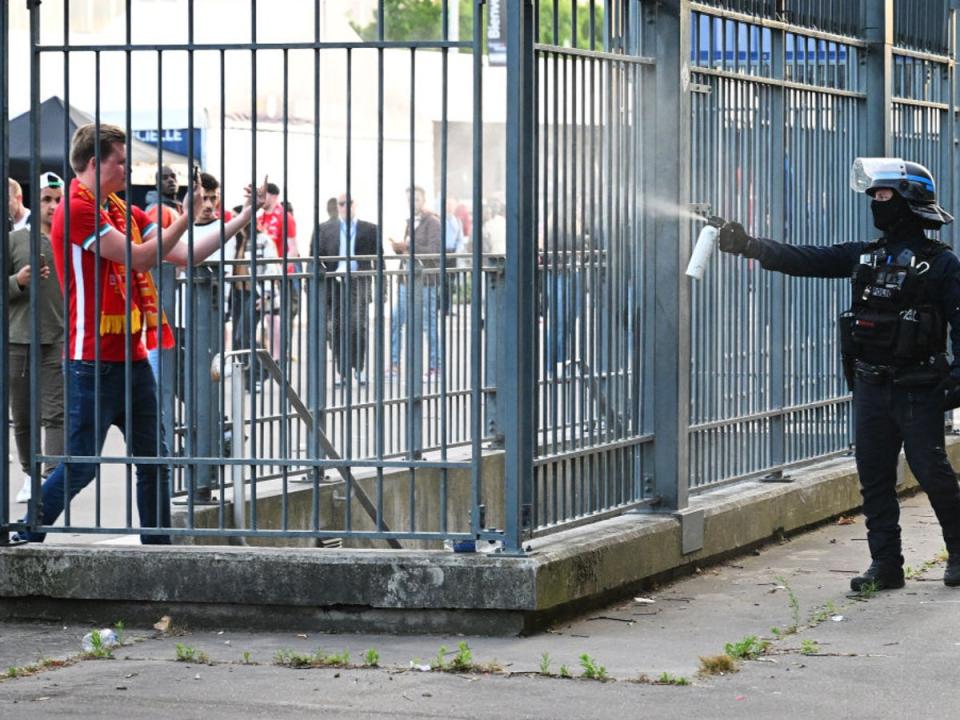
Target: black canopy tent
column 55, row 145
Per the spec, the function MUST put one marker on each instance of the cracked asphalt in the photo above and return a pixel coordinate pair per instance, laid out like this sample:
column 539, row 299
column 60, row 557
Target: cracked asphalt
column 885, row 656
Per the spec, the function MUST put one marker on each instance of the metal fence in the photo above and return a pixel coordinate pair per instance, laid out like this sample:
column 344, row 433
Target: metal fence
column 559, row 368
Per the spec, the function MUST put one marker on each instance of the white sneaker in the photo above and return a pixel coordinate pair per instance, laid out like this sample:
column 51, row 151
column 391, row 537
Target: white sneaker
column 24, row 494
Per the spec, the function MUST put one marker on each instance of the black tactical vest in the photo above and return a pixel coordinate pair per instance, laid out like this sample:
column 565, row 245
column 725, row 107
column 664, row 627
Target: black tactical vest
column 891, row 320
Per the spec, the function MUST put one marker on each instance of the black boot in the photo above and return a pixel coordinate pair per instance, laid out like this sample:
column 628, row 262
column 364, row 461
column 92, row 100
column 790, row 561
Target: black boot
column 951, row 576
column 883, row 575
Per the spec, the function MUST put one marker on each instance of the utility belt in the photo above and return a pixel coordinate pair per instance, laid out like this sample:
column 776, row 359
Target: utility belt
column 915, row 375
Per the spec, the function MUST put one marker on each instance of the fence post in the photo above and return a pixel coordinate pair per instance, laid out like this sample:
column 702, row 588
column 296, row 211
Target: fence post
column 877, row 116
column 778, row 311
column 516, row 412
column 4, row 249
column 493, row 350
column 947, row 184
column 671, row 235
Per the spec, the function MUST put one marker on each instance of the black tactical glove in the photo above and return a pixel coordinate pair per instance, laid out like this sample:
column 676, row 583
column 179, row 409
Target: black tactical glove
column 733, row 238
column 949, row 390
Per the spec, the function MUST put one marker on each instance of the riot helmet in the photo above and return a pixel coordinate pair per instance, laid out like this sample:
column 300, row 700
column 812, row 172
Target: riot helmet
column 911, row 181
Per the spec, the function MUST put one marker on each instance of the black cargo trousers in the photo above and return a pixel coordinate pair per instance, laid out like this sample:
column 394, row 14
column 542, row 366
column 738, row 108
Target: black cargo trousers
column 888, row 416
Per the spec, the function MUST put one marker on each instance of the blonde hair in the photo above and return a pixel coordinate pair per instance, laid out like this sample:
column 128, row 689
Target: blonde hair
column 83, row 145
column 15, row 188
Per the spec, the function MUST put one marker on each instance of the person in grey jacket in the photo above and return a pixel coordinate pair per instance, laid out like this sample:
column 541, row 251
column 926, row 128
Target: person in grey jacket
column 49, row 304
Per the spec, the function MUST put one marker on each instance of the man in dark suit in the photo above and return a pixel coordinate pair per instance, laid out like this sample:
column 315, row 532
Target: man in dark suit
column 348, row 293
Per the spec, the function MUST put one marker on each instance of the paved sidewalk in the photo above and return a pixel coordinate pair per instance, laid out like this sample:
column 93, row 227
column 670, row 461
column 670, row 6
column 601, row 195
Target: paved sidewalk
column 878, row 657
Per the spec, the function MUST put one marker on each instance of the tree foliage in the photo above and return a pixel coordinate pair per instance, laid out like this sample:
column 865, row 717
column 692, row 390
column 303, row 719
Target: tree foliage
column 409, row 20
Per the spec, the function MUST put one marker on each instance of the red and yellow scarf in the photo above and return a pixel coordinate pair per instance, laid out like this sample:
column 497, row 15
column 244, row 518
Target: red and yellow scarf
column 144, row 302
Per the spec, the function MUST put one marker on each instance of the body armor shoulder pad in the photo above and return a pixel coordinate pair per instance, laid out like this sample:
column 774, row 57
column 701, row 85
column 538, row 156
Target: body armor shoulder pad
column 933, row 248
column 930, row 249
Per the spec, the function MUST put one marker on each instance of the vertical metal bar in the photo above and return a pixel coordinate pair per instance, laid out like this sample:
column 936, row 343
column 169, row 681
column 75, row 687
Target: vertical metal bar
column 97, row 289
column 778, row 319
column 255, row 375
column 477, row 365
column 286, row 291
column 4, row 260
column 379, row 315
column 443, row 307
column 878, row 33
column 520, row 271
column 315, row 331
column 33, row 509
column 128, row 276
column 34, row 353
column 672, row 321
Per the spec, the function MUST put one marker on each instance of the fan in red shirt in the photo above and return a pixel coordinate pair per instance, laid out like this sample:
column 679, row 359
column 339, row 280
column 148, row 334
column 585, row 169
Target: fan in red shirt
column 112, row 310
column 271, row 221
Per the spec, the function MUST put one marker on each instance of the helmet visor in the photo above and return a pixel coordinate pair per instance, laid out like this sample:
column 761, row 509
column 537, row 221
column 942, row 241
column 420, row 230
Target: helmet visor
column 865, row 171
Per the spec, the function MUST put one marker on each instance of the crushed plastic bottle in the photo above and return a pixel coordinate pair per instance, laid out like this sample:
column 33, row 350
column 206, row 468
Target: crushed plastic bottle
column 108, row 639
column 489, row 546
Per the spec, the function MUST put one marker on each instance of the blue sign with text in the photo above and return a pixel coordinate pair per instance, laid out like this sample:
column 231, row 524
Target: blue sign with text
column 175, row 140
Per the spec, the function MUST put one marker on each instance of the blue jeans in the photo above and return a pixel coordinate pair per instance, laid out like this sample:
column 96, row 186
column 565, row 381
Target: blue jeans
column 153, row 486
column 563, row 308
column 399, row 317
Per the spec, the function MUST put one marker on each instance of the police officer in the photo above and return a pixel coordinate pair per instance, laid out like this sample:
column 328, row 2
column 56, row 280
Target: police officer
column 906, row 288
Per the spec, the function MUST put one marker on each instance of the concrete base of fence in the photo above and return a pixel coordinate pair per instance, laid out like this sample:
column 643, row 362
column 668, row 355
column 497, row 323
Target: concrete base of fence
column 416, row 591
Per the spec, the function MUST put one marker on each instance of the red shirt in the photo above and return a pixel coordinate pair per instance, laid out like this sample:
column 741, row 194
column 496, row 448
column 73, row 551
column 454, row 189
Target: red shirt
column 272, row 224
column 83, row 326
column 167, row 214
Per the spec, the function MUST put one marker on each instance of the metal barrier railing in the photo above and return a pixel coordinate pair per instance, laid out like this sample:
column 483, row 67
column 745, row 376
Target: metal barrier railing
column 555, row 370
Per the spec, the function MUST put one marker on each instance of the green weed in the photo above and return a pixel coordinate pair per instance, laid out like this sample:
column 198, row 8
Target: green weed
column 371, row 658
column 668, row 679
column 545, row 664
column 592, row 670
column 809, row 647
column 749, row 648
column 187, row 654
column 97, row 648
column 463, row 660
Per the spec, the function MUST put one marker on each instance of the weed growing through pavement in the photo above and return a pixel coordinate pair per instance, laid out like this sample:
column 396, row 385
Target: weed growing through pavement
column 868, row 590
column 717, row 664
column 440, row 661
column 909, row 572
column 97, row 648
column 668, row 679
column 185, row 653
column 565, row 672
column 545, row 664
column 794, row 605
column 42, row 664
column 592, row 670
column 827, row 611
column 809, row 647
column 371, row 658
column 291, row 659
column 749, row 648
column 246, row 658
column 463, row 660
column 119, row 628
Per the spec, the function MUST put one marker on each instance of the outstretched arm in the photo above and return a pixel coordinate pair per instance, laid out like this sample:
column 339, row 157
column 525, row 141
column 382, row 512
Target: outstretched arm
column 831, row 261
column 205, row 243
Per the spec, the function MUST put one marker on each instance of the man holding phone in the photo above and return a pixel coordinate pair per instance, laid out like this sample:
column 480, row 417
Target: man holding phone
column 49, row 304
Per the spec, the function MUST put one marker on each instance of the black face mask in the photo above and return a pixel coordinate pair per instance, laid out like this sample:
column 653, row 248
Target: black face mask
column 888, row 213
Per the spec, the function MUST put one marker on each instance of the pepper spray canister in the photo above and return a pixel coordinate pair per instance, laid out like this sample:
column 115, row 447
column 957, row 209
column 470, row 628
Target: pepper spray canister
column 704, row 247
